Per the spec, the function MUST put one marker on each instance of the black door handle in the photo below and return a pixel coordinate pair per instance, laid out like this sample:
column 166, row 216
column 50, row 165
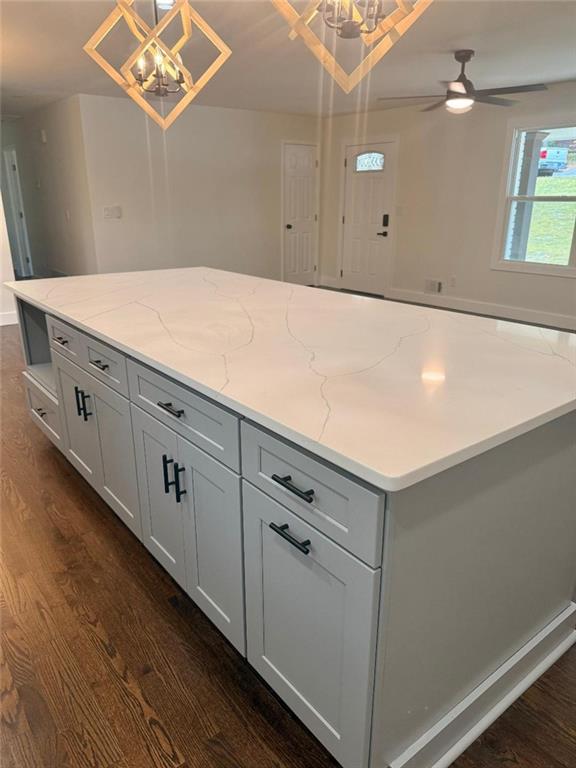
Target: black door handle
column 85, row 397
column 282, row 530
column 169, row 408
column 78, row 401
column 286, row 482
column 288, row 226
column 100, row 365
column 382, row 234
column 179, row 491
column 61, row 340
column 167, row 482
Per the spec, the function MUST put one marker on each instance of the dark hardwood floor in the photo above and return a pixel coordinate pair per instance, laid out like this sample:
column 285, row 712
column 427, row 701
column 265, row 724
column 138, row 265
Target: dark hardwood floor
column 106, row 662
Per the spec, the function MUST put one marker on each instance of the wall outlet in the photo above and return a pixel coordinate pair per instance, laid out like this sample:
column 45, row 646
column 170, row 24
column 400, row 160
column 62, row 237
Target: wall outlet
column 432, row 286
column 112, row 212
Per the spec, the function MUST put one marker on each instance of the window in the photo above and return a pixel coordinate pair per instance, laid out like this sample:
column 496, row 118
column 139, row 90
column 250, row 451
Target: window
column 541, row 202
column 369, row 161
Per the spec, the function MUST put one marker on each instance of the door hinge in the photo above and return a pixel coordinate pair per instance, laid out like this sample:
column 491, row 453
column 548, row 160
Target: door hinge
column 345, row 163
column 317, row 163
column 315, row 217
column 20, row 214
column 13, row 166
column 315, row 268
column 341, row 273
column 343, row 219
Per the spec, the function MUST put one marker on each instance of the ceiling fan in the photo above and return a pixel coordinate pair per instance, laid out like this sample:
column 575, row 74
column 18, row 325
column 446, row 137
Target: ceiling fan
column 461, row 94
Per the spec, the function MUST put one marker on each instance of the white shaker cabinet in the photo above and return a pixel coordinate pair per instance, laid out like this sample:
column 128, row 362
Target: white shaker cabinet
column 98, row 438
column 311, row 617
column 192, row 521
column 161, row 506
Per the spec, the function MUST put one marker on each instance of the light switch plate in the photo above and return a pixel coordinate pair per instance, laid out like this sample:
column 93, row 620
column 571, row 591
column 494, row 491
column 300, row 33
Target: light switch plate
column 112, row 212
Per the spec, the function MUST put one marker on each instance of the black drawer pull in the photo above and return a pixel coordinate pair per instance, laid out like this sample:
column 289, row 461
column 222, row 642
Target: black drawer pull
column 282, row 530
column 179, row 491
column 61, row 340
column 167, row 482
column 286, row 482
column 100, row 365
column 85, row 397
column 78, row 401
column 178, row 412
column 41, row 412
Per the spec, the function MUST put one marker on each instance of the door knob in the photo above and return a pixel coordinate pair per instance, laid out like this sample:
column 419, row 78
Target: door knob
column 382, row 234
column 288, row 226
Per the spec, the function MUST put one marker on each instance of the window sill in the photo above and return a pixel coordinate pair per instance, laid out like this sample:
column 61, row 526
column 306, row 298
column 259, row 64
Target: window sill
column 532, row 268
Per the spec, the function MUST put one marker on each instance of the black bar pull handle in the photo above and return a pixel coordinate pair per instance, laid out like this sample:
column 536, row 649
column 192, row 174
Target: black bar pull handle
column 100, row 365
column 282, row 530
column 177, row 412
column 286, row 482
column 85, row 397
column 61, row 340
column 179, row 491
column 78, row 400
column 167, row 482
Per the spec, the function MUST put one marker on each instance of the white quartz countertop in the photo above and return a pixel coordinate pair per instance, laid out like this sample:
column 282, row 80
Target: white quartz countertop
column 392, row 393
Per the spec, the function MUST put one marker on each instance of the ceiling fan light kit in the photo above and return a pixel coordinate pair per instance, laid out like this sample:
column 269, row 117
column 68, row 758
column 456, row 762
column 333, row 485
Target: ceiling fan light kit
column 154, row 67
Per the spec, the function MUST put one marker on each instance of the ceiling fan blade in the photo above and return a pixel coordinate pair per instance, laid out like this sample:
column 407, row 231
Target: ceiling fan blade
column 513, row 89
column 402, row 98
column 432, row 107
column 496, row 102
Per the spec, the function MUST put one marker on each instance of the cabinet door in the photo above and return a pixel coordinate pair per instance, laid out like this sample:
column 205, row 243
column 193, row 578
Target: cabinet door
column 311, row 620
column 119, row 487
column 81, row 443
column 162, row 514
column 213, row 535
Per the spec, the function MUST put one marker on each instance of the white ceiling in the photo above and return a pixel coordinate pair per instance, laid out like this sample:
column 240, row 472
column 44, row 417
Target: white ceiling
column 517, row 42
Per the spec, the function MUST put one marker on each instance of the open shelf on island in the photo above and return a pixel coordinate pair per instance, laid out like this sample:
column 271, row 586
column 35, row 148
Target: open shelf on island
column 44, row 375
column 36, row 345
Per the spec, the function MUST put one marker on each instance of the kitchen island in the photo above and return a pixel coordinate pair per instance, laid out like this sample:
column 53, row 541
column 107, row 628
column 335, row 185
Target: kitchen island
column 374, row 502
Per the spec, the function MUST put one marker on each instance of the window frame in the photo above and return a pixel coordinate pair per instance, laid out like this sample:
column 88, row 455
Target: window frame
column 506, row 199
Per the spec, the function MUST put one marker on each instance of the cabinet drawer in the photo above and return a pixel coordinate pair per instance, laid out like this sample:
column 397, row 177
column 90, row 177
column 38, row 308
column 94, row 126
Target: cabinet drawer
column 105, row 363
column 311, row 621
column 346, row 510
column 43, row 409
column 208, row 426
column 64, row 338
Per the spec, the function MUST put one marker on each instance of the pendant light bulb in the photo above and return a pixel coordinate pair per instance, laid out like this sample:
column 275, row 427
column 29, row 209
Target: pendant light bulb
column 458, row 105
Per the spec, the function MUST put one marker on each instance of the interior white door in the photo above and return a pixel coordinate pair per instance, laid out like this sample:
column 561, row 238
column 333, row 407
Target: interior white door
column 368, row 236
column 300, row 216
column 20, row 245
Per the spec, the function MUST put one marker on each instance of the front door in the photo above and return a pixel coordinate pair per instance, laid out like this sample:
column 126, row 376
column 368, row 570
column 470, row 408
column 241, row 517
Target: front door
column 300, row 217
column 368, row 221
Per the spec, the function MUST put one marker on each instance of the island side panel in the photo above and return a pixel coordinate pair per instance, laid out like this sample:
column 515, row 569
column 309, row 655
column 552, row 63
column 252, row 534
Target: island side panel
column 478, row 560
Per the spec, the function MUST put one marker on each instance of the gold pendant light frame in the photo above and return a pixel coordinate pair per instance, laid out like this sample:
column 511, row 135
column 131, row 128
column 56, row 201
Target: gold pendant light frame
column 381, row 40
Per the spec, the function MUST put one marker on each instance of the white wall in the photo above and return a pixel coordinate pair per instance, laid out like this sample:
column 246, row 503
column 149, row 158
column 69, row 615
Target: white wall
column 449, row 180
column 207, row 191
column 7, row 303
column 55, row 188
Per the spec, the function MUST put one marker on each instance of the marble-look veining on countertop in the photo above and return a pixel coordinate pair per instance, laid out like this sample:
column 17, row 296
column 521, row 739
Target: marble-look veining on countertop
column 391, row 392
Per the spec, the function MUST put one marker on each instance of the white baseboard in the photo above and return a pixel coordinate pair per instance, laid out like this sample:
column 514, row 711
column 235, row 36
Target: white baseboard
column 8, row 318
column 452, row 735
column 484, row 308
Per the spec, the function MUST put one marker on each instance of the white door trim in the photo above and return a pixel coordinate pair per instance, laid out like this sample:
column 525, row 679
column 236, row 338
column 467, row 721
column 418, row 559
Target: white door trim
column 285, row 143
column 15, row 204
column 345, row 144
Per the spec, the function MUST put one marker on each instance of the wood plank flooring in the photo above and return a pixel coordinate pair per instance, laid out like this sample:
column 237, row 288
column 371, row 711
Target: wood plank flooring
column 106, row 663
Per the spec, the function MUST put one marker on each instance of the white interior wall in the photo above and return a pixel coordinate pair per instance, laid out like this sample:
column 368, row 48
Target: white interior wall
column 55, row 188
column 207, row 191
column 448, row 192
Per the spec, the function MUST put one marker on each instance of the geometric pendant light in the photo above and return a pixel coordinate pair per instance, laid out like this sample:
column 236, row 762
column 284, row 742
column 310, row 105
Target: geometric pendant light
column 362, row 19
column 154, row 70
